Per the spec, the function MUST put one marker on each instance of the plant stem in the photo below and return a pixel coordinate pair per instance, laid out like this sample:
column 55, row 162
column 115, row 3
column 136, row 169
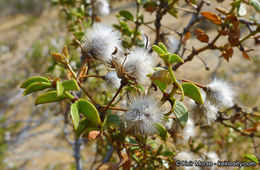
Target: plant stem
column 175, row 81
column 197, row 84
column 116, row 108
column 80, row 85
column 70, row 96
column 78, row 161
column 114, row 97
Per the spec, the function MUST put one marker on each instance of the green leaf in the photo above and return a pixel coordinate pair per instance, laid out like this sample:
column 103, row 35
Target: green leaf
column 241, row 10
column 175, row 58
column 161, row 131
column 85, row 125
column 60, row 88
column 113, row 119
column 251, row 157
column 173, row 12
column 181, row 113
column 255, row 4
column 193, row 92
column 70, row 85
column 168, row 153
column 161, row 75
column 162, row 85
column 165, row 57
column 49, row 97
column 74, row 113
column 162, row 46
column 31, row 80
column 89, row 110
column 157, row 49
column 36, row 86
column 159, row 150
column 127, row 15
column 236, row 3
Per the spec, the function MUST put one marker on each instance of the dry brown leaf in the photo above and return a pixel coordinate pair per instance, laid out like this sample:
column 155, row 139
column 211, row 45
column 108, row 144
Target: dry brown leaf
column 246, row 56
column 98, row 19
column 186, row 38
column 233, row 37
column 65, row 52
column 227, row 52
column 58, row 57
column 233, row 19
column 212, row 17
column 93, row 135
column 198, row 32
column 223, row 32
column 201, row 35
column 203, row 38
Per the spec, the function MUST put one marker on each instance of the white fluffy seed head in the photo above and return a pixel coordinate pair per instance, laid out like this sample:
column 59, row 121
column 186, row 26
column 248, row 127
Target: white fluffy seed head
column 112, row 80
column 220, row 93
column 187, row 132
column 142, row 114
column 100, row 41
column 138, row 64
column 101, row 7
column 204, row 114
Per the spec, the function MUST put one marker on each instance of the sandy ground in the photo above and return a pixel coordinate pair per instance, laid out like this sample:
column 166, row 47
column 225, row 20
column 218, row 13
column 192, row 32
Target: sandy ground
column 38, row 142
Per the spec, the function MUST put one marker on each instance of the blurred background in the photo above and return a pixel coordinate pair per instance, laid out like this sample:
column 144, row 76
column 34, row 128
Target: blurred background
column 35, row 136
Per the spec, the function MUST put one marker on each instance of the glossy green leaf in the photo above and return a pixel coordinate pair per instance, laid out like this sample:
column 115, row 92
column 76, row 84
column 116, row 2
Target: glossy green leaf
column 162, row 46
column 70, row 84
column 36, row 86
column 181, row 113
column 251, row 157
column 165, row 57
column 161, row 131
column 60, row 88
column 89, row 110
column 31, row 80
column 74, row 113
column 175, row 58
column 193, row 92
column 162, row 85
column 84, row 126
column 127, row 15
column 255, row 4
column 157, row 49
column 49, row 97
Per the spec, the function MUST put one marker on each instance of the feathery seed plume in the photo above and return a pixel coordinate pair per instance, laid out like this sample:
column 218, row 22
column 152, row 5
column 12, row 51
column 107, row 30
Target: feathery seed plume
column 138, row 64
column 142, row 114
column 112, row 80
column 220, row 93
column 100, row 41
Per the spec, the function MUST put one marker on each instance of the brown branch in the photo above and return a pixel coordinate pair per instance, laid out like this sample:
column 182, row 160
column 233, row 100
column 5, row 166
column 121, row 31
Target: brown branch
column 194, row 19
column 196, row 52
column 114, row 97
